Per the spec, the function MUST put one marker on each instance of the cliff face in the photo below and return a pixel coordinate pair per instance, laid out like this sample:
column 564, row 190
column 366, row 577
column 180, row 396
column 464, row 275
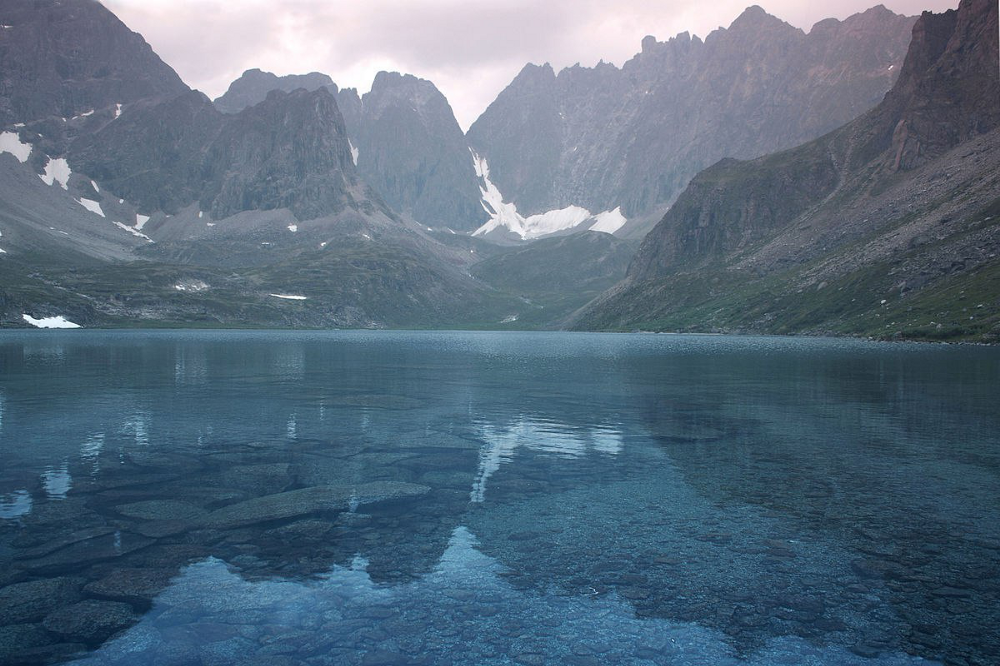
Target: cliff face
column 603, row 137
column 403, row 137
column 290, row 151
column 907, row 190
column 947, row 93
column 412, row 151
column 68, row 58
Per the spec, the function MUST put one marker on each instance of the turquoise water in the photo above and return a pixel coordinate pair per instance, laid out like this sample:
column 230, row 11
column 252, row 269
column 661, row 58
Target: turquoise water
column 483, row 498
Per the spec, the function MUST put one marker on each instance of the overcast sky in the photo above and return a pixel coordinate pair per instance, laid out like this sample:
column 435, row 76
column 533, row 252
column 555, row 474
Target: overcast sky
column 471, row 49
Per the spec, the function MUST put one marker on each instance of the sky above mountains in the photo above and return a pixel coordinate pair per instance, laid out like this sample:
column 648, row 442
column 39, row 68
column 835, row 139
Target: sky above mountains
column 471, row 49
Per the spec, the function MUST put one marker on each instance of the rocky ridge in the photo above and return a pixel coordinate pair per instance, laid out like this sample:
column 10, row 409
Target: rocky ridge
column 634, row 136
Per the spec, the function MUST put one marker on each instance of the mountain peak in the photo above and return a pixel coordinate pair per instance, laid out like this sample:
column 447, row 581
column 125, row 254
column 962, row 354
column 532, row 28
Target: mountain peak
column 755, row 17
column 255, row 85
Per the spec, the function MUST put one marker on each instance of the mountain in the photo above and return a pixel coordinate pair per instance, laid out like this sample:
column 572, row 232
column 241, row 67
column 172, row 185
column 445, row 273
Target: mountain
column 411, row 149
column 254, row 85
column 64, row 59
column 159, row 208
column 632, row 137
column 404, row 139
column 887, row 226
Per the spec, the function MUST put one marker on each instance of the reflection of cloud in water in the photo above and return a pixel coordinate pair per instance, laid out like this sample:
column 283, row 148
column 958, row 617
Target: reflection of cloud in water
column 57, row 482
column 464, row 610
column 15, row 505
column 501, row 442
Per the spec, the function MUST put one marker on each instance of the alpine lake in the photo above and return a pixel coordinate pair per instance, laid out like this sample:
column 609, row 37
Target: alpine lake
column 279, row 498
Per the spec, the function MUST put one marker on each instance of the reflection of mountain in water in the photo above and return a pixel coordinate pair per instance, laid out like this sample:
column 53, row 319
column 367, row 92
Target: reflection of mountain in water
column 502, row 442
column 463, row 611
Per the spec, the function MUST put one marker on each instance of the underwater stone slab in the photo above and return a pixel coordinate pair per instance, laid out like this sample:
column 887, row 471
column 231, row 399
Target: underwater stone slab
column 17, row 638
column 161, row 510
column 64, row 541
column 31, row 601
column 91, row 621
column 81, row 554
column 296, row 503
column 134, row 586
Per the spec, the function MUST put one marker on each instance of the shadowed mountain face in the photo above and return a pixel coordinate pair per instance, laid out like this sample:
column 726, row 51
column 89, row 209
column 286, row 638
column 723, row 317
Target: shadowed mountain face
column 64, row 59
column 404, row 138
column 895, row 211
column 290, row 151
column 412, row 151
column 603, row 137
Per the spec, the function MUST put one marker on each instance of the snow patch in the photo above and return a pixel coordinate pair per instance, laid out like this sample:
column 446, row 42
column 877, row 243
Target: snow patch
column 132, row 230
column 2, row 251
column 191, row 286
column 323, row 244
column 94, row 185
column 92, row 206
column 210, row 224
column 354, row 152
column 85, row 114
column 50, row 322
column 118, row 111
column 57, row 171
column 609, row 221
column 505, row 215
column 290, row 297
column 140, row 221
column 201, row 214
column 11, row 143
column 293, row 228
column 366, row 236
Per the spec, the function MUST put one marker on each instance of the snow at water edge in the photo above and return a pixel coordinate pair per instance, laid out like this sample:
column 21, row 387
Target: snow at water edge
column 50, row 322
column 290, row 297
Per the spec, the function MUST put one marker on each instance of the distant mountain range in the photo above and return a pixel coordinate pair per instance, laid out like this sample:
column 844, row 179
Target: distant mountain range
column 127, row 198
column 888, row 226
column 632, row 137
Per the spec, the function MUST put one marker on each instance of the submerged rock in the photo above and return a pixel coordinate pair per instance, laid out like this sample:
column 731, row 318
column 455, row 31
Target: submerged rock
column 134, row 586
column 91, row 621
column 19, row 637
column 79, row 555
column 161, row 510
column 32, row 601
column 296, row 503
